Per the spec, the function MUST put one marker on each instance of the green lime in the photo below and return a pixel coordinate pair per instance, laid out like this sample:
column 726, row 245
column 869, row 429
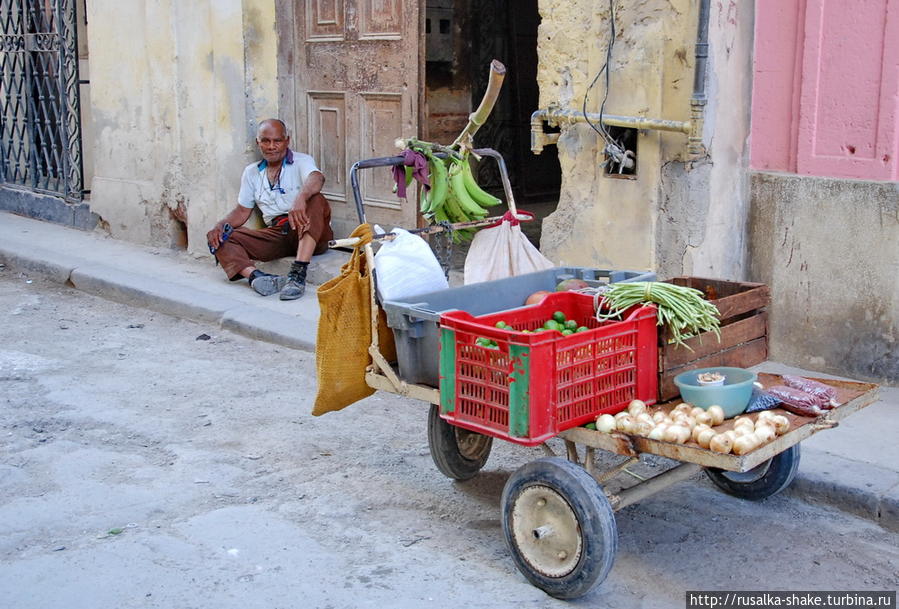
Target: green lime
column 571, row 324
column 551, row 325
column 501, row 325
column 590, row 425
column 582, row 329
column 559, row 317
column 567, row 332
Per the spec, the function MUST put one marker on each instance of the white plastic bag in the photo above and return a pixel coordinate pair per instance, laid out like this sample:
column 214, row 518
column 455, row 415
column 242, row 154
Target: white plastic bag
column 502, row 251
column 406, row 266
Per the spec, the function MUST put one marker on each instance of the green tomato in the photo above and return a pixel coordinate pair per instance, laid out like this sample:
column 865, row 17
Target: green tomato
column 501, row 325
column 582, row 329
column 567, row 332
column 559, row 317
column 571, row 324
column 551, row 325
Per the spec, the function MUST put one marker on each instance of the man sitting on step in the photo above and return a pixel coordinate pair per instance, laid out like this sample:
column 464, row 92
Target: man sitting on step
column 286, row 186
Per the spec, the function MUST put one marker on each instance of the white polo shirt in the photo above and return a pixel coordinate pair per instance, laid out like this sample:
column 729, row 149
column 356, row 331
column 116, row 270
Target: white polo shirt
column 275, row 200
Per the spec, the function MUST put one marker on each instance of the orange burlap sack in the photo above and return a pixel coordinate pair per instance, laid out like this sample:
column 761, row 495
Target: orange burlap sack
column 344, row 333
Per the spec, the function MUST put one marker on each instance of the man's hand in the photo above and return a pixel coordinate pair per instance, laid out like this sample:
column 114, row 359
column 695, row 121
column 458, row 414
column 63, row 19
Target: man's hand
column 299, row 220
column 214, row 237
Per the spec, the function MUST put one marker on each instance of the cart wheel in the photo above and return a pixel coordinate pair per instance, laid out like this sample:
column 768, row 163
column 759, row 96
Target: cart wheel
column 559, row 526
column 458, row 453
column 765, row 480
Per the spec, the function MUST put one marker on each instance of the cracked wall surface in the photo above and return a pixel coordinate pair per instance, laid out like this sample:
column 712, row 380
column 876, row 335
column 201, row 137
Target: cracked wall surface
column 175, row 97
column 675, row 217
column 829, row 250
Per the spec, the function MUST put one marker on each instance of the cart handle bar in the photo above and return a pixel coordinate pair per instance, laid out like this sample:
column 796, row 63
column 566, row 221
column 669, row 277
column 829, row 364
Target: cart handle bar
column 396, row 161
column 430, row 230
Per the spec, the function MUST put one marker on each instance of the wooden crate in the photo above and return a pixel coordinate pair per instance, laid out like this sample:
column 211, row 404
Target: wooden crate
column 744, row 332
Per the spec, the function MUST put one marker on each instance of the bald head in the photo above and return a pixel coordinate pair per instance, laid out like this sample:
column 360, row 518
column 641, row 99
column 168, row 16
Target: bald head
column 274, row 123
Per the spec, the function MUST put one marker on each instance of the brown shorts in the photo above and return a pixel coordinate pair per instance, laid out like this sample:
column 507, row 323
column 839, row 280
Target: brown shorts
column 246, row 245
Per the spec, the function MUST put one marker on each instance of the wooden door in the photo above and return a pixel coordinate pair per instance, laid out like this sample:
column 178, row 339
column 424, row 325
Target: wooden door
column 356, row 77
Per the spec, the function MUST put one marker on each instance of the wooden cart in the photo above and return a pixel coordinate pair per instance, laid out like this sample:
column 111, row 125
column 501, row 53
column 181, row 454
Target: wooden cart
column 557, row 519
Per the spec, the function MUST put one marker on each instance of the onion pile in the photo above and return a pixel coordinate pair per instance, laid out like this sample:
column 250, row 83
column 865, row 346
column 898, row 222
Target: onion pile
column 687, row 423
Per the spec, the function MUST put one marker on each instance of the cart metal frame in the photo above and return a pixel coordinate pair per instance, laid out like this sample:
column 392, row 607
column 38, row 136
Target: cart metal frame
column 553, row 518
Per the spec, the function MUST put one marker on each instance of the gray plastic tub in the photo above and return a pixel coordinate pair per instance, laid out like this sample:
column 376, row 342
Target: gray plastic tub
column 416, row 320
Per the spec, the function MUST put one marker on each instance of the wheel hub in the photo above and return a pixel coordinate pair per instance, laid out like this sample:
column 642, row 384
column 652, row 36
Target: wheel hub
column 471, row 444
column 546, row 531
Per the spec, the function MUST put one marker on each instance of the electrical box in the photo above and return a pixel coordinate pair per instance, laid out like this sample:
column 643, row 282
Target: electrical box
column 439, row 30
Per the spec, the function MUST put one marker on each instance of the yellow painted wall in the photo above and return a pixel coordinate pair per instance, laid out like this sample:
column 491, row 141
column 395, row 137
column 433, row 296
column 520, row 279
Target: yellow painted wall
column 176, row 91
column 681, row 215
column 602, row 221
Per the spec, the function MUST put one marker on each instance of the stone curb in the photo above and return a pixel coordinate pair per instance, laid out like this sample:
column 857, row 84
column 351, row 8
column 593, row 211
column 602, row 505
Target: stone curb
column 876, row 499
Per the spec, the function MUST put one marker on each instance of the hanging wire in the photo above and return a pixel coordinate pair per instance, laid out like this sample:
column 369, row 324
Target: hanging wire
column 613, row 147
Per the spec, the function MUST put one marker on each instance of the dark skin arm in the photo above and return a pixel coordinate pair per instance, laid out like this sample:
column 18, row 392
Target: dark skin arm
column 236, row 217
column 311, row 187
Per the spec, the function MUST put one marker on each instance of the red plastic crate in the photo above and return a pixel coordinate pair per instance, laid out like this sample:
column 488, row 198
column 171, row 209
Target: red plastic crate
column 535, row 385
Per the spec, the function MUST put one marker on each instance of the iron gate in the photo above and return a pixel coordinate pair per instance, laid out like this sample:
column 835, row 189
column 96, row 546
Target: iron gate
column 40, row 120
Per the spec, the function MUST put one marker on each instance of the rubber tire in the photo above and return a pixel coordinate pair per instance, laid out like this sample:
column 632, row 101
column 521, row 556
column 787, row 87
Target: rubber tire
column 596, row 520
column 780, row 473
column 444, row 446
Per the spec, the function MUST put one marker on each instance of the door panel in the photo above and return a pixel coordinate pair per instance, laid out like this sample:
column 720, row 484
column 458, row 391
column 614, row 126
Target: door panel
column 356, row 84
column 327, row 140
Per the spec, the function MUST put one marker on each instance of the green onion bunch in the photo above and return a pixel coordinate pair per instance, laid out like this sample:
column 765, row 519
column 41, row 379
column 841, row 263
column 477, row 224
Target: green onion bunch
column 684, row 310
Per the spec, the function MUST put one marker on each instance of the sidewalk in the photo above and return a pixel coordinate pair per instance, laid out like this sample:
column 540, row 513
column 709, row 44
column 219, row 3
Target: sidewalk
column 854, row 468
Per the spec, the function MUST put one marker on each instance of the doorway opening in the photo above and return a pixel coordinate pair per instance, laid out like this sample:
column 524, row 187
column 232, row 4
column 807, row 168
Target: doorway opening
column 464, row 36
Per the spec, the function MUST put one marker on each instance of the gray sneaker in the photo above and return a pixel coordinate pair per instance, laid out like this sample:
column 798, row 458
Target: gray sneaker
column 266, row 285
column 293, row 289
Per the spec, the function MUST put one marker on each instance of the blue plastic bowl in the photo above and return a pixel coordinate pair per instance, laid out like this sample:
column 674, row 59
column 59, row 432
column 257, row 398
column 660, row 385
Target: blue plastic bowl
column 733, row 396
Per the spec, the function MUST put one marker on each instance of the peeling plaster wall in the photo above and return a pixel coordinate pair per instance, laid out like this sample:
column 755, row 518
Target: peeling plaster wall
column 603, row 221
column 702, row 229
column 675, row 217
column 836, row 302
column 175, row 96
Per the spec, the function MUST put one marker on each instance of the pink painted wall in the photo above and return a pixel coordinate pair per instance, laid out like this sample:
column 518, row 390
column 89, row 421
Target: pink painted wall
column 825, row 96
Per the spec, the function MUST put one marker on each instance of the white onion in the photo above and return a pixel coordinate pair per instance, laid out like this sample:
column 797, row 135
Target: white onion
column 765, row 414
column 717, row 414
column 741, row 420
column 682, row 407
column 622, row 414
column 642, row 428
column 721, row 443
column 695, row 411
column 636, row 407
column 703, row 418
column 697, row 430
column 781, row 424
column 765, row 433
column 730, row 433
column 746, row 443
column 659, row 416
column 705, row 437
column 645, row 416
column 625, row 423
column 672, row 433
column 605, row 423
column 743, row 430
column 658, row 432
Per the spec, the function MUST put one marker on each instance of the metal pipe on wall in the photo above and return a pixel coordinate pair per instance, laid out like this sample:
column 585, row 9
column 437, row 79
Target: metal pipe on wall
column 693, row 128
